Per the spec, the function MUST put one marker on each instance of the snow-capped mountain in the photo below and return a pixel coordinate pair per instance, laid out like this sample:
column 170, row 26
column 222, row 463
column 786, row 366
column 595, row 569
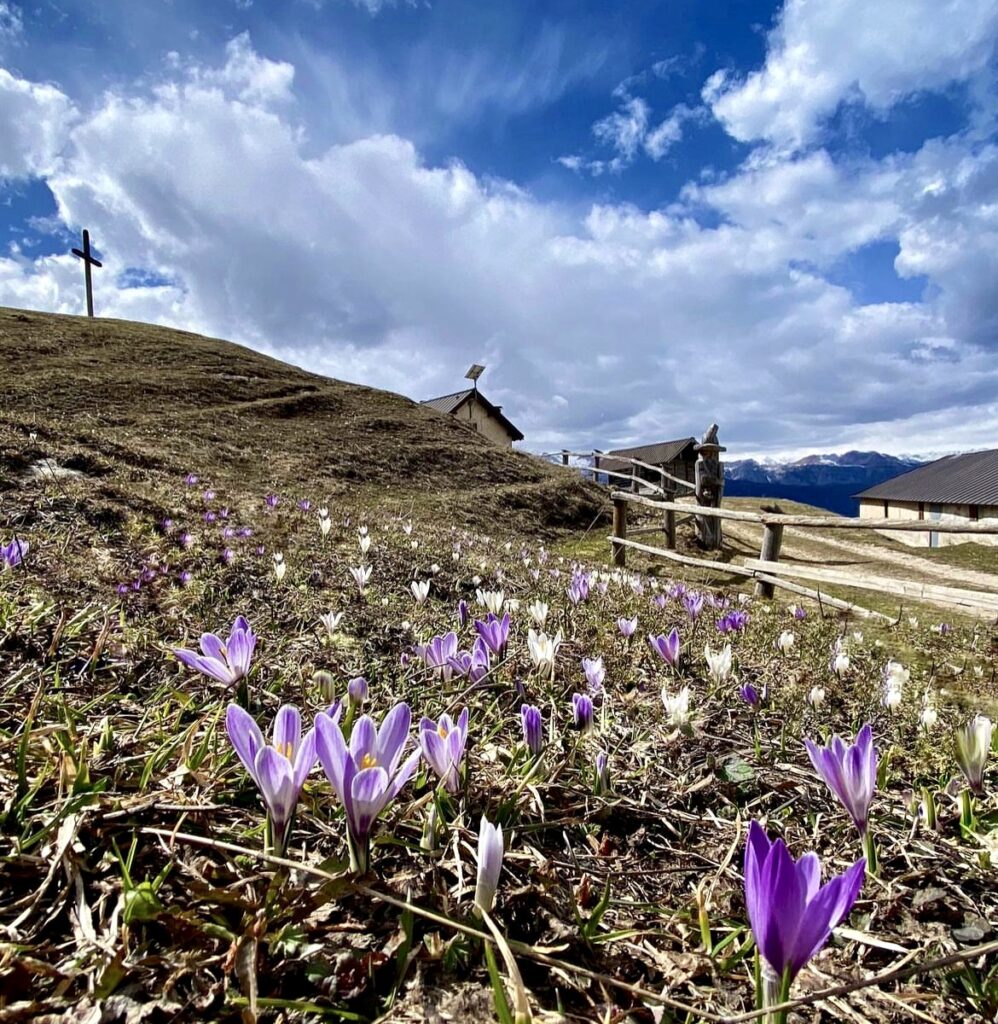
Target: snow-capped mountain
column 828, row 481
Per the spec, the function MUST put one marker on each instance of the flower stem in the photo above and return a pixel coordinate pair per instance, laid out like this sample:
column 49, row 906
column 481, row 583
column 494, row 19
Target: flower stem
column 870, row 851
column 966, row 811
column 929, row 807
column 360, row 853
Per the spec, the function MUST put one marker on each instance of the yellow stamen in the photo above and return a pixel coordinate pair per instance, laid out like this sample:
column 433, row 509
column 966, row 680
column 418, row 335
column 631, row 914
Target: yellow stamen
column 442, row 731
column 287, row 749
column 369, row 761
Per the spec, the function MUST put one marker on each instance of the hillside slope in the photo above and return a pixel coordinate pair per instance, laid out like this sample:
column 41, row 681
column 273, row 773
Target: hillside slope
column 127, row 402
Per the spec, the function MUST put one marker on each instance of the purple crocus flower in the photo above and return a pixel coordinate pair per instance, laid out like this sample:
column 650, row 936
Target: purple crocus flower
column 304, row 504
column 210, row 517
column 186, row 539
column 123, row 588
column 734, row 622
column 367, row 774
column 186, row 577
column 357, row 690
column 693, row 603
column 462, row 613
column 166, row 525
column 799, row 612
column 442, row 743
column 791, row 916
column 750, row 695
column 437, row 653
column 227, row 556
column 533, row 728
column 228, row 662
column 582, row 712
column 627, row 626
column 209, row 495
column 272, row 501
column 494, row 632
column 675, row 590
column 191, row 479
column 667, row 647
column 279, row 770
column 850, row 772
column 595, row 673
column 244, row 532
column 474, row 664
column 223, row 513
column 659, row 601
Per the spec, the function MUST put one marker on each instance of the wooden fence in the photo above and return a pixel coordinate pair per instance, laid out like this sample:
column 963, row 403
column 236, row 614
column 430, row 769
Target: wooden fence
column 666, row 487
column 767, row 571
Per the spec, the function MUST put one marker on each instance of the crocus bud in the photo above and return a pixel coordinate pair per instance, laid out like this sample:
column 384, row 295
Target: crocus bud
column 462, row 613
column 786, row 642
column 326, row 684
column 357, row 690
column 627, row 626
column 602, row 773
column 750, row 695
column 582, row 712
column 490, row 853
column 533, row 728
column 817, row 696
column 973, row 744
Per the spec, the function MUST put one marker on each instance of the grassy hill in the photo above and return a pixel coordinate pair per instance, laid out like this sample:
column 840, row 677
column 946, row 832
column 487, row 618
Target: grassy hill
column 139, row 880
column 128, row 403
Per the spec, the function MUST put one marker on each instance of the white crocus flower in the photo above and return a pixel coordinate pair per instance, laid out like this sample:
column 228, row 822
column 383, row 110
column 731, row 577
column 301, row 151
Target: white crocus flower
column 280, row 566
column 365, row 543
column 840, row 666
column 331, row 621
column 718, row 664
column 539, row 613
column 677, row 706
column 361, row 576
column 816, row 697
column 929, row 716
column 407, row 528
column 543, row 649
column 434, row 568
column 420, row 591
column 786, row 642
column 492, row 600
column 362, row 531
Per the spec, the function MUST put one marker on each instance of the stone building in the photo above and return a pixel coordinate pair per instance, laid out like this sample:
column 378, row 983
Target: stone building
column 953, row 489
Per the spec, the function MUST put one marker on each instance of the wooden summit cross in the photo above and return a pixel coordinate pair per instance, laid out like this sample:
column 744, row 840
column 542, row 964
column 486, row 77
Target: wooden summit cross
column 88, row 261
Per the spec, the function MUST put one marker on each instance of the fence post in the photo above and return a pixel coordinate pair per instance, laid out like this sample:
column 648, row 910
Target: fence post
column 564, row 456
column 772, row 538
column 619, row 531
column 670, row 521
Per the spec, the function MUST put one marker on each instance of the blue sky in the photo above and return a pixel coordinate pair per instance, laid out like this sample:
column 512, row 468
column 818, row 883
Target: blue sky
column 641, row 216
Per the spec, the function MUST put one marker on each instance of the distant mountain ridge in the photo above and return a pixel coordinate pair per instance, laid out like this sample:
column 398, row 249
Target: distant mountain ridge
column 828, row 481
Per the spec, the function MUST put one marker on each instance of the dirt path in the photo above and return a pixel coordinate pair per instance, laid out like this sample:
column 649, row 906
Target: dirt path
column 863, row 560
column 947, row 575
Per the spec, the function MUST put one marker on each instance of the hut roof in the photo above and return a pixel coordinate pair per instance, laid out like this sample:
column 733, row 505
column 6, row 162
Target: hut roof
column 451, row 403
column 970, row 479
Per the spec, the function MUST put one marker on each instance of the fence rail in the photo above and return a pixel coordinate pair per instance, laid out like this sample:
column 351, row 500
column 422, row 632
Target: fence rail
column 767, row 571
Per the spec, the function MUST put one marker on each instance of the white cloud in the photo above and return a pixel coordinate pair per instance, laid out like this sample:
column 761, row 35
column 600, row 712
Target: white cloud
column 34, row 124
column 250, row 77
column 821, row 54
column 362, row 261
column 625, row 128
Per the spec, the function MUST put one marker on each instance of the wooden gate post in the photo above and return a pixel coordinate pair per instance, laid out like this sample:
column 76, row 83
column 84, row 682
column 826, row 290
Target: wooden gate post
column 619, row 531
column 670, row 520
column 564, row 456
column 772, row 539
